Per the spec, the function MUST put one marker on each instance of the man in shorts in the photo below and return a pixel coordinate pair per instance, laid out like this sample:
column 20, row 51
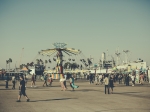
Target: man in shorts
column 22, row 89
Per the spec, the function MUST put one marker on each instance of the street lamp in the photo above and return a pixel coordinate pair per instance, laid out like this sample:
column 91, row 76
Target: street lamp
column 7, row 61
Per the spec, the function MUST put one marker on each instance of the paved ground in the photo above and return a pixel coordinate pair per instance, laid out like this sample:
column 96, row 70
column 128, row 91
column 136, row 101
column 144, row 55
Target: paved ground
column 87, row 98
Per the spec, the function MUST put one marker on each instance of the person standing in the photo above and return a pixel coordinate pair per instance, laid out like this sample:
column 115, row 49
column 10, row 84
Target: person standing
column 96, row 79
column 124, row 79
column 65, row 77
column 106, row 82
column 13, row 82
column 133, row 80
column 127, row 80
column 7, row 79
column 22, row 90
column 120, row 78
column 33, row 81
column 111, row 84
column 100, row 79
column 91, row 78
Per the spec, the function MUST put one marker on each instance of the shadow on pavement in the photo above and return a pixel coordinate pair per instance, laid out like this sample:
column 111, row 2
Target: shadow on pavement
column 126, row 92
column 6, row 89
column 122, row 109
column 133, row 95
column 53, row 99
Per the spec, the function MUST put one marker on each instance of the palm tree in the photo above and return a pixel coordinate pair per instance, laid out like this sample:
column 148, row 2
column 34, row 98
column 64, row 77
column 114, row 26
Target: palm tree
column 67, row 65
column 10, row 61
column 74, row 66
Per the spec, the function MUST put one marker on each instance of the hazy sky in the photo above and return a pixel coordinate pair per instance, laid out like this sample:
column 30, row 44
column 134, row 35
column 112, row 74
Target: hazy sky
column 93, row 26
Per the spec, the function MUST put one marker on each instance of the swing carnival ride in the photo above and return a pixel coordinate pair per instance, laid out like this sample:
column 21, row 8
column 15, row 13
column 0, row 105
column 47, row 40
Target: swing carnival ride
column 58, row 52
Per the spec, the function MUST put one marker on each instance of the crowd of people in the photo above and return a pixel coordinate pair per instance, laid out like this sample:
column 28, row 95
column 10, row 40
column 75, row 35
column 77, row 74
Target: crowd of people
column 120, row 78
column 107, row 80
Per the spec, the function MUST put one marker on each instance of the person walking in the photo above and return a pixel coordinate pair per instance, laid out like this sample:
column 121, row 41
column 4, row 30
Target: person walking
column 45, row 80
column 50, row 80
column 13, row 81
column 33, row 80
column 22, row 90
column 72, row 85
column 63, row 86
column 106, row 82
column 141, row 78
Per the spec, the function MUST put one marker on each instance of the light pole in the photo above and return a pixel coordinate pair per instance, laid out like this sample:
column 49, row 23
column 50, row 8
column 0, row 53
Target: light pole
column 7, row 61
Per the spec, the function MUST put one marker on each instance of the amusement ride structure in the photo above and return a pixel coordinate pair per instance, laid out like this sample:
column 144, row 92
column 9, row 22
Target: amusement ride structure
column 59, row 50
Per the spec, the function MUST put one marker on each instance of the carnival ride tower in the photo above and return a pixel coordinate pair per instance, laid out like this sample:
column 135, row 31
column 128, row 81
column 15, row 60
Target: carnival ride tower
column 103, row 59
column 59, row 66
column 126, row 55
column 59, row 50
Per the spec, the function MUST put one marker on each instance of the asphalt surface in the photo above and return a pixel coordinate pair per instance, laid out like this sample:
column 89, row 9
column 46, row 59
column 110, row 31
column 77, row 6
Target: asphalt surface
column 86, row 98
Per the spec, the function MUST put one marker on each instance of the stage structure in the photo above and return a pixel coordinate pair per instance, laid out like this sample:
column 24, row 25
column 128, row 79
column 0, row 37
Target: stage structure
column 59, row 50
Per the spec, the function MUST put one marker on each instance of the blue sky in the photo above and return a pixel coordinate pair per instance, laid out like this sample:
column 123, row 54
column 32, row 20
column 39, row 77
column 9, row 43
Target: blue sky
column 93, row 26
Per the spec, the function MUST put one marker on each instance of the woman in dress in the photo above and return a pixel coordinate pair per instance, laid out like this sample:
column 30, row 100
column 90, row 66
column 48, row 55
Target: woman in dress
column 63, row 87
